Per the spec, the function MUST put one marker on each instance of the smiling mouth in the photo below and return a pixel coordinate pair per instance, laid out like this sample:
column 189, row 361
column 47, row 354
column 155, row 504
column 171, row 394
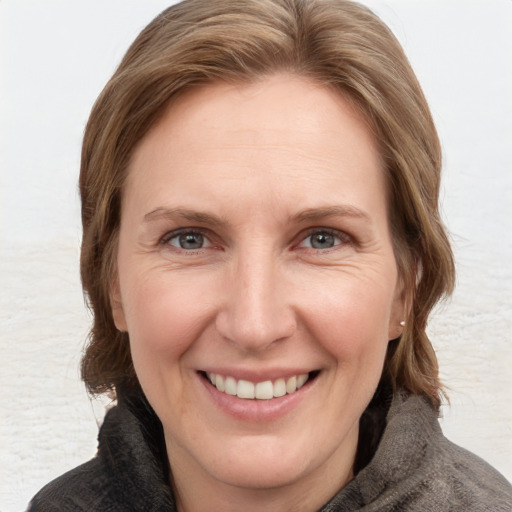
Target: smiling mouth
column 265, row 390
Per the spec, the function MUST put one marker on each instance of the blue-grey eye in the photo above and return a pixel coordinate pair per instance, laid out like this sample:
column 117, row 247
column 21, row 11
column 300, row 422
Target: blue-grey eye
column 189, row 241
column 321, row 240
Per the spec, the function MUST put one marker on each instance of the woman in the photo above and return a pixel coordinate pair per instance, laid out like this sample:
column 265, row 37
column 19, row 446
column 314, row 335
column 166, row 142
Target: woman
column 262, row 248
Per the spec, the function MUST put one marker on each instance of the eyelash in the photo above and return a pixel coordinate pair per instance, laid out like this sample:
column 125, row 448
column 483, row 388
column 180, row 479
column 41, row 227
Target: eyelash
column 185, row 231
column 343, row 237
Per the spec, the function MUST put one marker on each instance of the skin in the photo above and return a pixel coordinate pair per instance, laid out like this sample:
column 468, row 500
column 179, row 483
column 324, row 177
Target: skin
column 260, row 173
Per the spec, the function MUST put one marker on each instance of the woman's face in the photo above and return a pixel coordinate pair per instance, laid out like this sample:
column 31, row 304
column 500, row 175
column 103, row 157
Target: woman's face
column 255, row 252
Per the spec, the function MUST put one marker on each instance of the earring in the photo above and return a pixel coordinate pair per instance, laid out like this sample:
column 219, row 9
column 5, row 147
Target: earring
column 402, row 323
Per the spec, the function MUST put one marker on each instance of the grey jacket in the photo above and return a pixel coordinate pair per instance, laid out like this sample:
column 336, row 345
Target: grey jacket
column 414, row 468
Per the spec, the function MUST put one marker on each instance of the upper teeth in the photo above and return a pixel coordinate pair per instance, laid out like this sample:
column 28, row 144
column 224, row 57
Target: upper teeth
column 261, row 390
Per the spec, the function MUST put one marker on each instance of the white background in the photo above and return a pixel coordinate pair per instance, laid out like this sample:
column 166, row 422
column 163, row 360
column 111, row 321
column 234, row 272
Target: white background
column 55, row 57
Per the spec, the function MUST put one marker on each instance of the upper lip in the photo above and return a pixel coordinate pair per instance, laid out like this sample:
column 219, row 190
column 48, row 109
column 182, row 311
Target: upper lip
column 253, row 375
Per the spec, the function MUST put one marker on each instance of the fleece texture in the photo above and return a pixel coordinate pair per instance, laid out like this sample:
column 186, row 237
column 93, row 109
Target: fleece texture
column 414, row 469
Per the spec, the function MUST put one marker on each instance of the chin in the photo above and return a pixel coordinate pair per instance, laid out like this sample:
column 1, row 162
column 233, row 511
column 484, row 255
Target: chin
column 263, row 471
column 272, row 461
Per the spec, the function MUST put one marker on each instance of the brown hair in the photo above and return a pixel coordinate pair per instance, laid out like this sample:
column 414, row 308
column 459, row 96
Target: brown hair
column 338, row 43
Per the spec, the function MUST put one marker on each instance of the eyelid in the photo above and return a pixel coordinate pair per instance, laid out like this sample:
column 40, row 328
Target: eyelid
column 343, row 236
column 164, row 240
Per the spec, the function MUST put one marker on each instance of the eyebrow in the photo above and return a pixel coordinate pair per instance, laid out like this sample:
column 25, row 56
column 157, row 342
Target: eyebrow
column 183, row 213
column 308, row 215
column 312, row 214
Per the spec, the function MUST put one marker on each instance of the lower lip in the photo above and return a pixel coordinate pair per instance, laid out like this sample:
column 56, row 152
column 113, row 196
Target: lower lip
column 256, row 410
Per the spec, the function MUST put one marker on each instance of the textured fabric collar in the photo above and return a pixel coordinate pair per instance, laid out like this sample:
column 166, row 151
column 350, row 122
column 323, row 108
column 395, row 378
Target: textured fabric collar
column 132, row 451
column 414, row 469
column 411, row 428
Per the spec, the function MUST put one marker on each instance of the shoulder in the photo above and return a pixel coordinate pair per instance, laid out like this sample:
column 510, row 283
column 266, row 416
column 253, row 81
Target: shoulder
column 441, row 473
column 128, row 472
column 471, row 483
column 415, row 468
column 80, row 489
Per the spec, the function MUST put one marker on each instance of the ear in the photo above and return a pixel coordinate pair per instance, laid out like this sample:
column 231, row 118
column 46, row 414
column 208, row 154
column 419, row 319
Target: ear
column 116, row 305
column 400, row 309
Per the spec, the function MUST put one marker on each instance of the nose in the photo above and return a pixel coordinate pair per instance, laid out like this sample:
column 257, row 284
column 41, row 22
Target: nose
column 258, row 309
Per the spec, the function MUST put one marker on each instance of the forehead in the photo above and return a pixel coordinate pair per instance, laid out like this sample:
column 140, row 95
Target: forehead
column 280, row 129
column 270, row 101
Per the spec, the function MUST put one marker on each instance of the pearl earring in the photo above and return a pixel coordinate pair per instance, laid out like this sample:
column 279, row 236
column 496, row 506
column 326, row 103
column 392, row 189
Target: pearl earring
column 402, row 323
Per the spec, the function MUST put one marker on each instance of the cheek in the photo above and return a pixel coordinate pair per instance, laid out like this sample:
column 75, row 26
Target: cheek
column 165, row 317
column 350, row 318
column 165, row 313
